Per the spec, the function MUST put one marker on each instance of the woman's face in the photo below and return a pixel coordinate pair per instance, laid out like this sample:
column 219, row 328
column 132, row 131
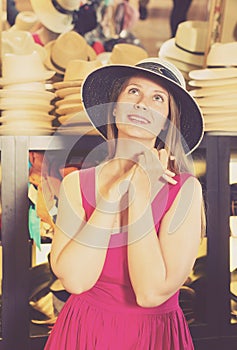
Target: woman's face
column 142, row 109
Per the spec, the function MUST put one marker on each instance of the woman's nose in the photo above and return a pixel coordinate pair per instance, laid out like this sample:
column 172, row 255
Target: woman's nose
column 140, row 106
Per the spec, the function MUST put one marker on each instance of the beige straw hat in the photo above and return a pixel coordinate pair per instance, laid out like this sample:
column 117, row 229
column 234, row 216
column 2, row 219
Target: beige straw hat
column 76, row 71
column 191, row 36
column 68, row 46
column 127, row 54
column 25, row 20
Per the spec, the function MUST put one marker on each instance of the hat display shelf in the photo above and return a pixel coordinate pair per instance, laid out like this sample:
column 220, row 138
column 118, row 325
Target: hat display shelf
column 214, row 86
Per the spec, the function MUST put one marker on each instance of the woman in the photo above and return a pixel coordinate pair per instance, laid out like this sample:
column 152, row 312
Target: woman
column 128, row 230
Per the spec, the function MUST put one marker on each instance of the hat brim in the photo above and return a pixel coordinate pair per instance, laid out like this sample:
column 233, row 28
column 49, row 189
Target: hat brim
column 51, row 18
column 95, row 98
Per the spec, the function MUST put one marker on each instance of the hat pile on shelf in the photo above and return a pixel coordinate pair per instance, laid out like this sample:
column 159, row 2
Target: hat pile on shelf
column 215, row 91
column 24, row 101
column 186, row 50
column 68, row 106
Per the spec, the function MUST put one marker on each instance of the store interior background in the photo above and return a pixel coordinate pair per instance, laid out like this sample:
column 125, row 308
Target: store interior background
column 153, row 31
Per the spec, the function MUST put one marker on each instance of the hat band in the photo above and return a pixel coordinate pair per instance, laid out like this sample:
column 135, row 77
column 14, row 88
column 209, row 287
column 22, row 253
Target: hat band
column 198, row 53
column 60, row 9
column 57, row 66
column 161, row 70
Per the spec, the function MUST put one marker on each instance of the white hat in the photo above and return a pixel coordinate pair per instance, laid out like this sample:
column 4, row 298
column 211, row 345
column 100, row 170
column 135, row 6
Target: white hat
column 213, row 91
column 229, row 100
column 23, row 68
column 21, row 42
column 56, row 15
column 169, row 49
column 213, row 73
column 191, row 36
column 214, row 82
column 222, row 54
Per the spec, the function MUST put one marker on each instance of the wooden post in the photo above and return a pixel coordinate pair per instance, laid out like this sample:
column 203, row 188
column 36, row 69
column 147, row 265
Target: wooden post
column 216, row 16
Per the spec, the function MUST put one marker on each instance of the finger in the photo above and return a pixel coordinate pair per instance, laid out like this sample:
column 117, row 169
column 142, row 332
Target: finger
column 169, row 173
column 163, row 156
column 169, row 179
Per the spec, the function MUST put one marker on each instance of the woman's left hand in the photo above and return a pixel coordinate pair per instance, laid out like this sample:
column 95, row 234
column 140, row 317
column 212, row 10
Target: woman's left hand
column 151, row 172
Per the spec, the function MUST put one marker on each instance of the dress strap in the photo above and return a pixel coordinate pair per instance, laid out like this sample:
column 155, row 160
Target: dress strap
column 87, row 183
column 166, row 197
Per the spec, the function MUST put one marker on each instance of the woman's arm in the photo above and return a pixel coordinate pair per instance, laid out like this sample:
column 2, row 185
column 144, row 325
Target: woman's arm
column 79, row 247
column 158, row 266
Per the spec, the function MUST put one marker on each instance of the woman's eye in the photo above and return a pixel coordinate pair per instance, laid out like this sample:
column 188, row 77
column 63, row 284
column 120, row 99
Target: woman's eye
column 133, row 91
column 158, row 98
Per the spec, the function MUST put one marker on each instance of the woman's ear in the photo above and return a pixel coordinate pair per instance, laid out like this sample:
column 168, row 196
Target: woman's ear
column 114, row 112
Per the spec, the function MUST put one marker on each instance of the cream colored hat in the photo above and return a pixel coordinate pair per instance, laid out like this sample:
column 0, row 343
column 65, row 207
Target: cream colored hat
column 46, row 96
column 191, row 36
column 127, row 54
column 213, row 73
column 21, row 42
column 183, row 66
column 214, row 82
column 68, row 46
column 170, row 49
column 229, row 100
column 223, row 54
column 25, row 20
column 76, row 71
column 23, row 68
column 56, row 15
column 213, row 91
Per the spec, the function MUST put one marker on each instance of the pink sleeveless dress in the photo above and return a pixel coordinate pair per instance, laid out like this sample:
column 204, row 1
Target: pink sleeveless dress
column 107, row 317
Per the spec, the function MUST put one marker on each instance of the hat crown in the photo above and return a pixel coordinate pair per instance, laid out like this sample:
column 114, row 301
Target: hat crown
column 68, row 46
column 163, row 68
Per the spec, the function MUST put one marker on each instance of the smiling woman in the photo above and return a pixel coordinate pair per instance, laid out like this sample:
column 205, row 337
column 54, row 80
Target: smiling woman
column 123, row 226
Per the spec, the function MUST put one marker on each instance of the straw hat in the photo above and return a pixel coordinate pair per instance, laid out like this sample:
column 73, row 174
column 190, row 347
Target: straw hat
column 223, row 54
column 46, row 96
column 68, row 46
column 76, row 71
column 127, row 54
column 213, row 91
column 68, row 91
column 97, row 87
column 229, row 100
column 213, row 73
column 170, row 49
column 56, row 15
column 191, row 36
column 213, row 82
column 23, row 68
column 25, row 20
column 21, row 42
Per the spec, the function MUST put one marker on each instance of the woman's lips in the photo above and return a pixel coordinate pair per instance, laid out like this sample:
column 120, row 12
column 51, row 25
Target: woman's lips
column 138, row 119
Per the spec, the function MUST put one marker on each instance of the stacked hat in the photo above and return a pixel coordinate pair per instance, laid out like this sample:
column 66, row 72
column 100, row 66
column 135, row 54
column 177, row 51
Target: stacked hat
column 24, row 101
column 215, row 91
column 68, row 105
column 123, row 53
column 186, row 50
column 68, row 46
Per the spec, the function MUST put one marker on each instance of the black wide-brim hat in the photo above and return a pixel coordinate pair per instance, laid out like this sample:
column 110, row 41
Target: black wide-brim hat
column 96, row 90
